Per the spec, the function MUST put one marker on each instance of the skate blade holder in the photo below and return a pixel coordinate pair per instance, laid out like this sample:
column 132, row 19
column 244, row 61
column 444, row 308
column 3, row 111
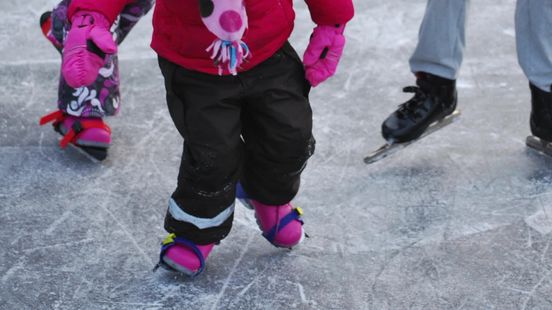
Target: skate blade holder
column 539, row 145
column 391, row 147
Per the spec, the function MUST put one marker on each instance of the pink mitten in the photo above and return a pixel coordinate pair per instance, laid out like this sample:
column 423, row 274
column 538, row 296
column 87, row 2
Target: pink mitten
column 323, row 53
column 85, row 48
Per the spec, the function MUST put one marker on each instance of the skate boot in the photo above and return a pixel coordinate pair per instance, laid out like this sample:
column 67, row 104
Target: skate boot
column 46, row 27
column 432, row 108
column 90, row 135
column 434, row 99
column 281, row 225
column 184, row 256
column 541, row 120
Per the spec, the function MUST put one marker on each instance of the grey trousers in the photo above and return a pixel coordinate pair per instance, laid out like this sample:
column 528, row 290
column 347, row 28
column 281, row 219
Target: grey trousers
column 441, row 42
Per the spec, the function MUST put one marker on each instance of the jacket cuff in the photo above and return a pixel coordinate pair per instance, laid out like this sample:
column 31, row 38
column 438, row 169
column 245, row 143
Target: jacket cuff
column 331, row 12
column 109, row 8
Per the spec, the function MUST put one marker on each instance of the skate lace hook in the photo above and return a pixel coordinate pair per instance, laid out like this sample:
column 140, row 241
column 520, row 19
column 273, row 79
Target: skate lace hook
column 419, row 97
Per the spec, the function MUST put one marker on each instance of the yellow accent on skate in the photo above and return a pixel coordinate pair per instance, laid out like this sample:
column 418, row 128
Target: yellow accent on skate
column 169, row 239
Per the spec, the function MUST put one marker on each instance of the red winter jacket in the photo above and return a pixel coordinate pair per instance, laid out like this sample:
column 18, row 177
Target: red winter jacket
column 181, row 37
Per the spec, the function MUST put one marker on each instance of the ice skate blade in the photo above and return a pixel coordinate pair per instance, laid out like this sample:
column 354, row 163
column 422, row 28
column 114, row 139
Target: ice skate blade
column 95, row 156
column 541, row 146
column 391, row 148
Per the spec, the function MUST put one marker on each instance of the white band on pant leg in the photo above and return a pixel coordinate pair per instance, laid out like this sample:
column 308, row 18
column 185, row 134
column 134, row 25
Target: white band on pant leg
column 178, row 214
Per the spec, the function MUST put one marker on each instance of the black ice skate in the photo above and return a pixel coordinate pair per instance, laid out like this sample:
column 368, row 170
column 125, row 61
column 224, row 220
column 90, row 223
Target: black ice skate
column 432, row 108
column 541, row 121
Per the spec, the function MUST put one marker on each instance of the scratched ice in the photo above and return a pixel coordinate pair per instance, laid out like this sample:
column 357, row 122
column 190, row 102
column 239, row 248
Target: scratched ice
column 460, row 220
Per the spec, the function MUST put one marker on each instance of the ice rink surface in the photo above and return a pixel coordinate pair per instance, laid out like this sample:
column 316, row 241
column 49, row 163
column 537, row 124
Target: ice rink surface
column 459, row 220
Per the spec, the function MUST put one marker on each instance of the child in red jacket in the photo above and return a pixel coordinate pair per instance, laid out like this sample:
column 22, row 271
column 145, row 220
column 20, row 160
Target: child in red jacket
column 238, row 94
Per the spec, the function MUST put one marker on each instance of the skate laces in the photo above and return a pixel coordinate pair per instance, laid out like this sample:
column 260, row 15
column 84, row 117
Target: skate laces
column 410, row 108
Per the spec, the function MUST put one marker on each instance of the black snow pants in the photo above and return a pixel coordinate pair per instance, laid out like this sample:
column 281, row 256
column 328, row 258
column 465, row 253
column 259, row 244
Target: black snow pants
column 255, row 128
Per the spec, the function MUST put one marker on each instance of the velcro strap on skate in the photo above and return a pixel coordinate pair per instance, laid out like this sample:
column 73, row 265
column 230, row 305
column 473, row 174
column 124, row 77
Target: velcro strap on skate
column 172, row 240
column 79, row 126
column 55, row 117
column 295, row 214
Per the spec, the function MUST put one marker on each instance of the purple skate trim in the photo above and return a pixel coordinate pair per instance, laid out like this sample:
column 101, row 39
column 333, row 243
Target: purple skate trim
column 171, row 266
column 270, row 234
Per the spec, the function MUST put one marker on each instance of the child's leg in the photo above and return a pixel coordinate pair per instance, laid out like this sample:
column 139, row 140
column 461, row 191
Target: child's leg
column 81, row 111
column 206, row 111
column 277, row 129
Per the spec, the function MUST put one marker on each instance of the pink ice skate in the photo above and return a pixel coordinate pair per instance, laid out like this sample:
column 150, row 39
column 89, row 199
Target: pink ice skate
column 181, row 255
column 281, row 225
column 91, row 135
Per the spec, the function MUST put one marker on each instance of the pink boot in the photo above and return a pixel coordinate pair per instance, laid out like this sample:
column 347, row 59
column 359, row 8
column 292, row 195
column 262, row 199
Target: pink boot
column 91, row 135
column 281, row 225
column 179, row 254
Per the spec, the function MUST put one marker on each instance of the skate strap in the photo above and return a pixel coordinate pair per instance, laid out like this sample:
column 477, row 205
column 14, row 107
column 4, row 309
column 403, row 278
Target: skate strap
column 78, row 126
column 295, row 214
column 172, row 240
column 270, row 235
column 55, row 117
column 240, row 192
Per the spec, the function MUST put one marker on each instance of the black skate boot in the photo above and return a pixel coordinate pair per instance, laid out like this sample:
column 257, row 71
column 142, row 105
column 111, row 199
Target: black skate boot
column 434, row 99
column 432, row 108
column 541, row 120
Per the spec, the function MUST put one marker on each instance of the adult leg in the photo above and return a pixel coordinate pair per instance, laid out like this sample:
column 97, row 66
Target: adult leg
column 435, row 62
column 534, row 48
column 441, row 39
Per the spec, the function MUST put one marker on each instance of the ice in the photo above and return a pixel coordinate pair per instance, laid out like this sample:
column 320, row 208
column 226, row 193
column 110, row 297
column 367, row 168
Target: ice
column 459, row 220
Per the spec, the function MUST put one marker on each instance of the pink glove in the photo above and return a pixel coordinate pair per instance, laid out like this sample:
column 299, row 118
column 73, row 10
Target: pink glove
column 323, row 53
column 85, row 48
